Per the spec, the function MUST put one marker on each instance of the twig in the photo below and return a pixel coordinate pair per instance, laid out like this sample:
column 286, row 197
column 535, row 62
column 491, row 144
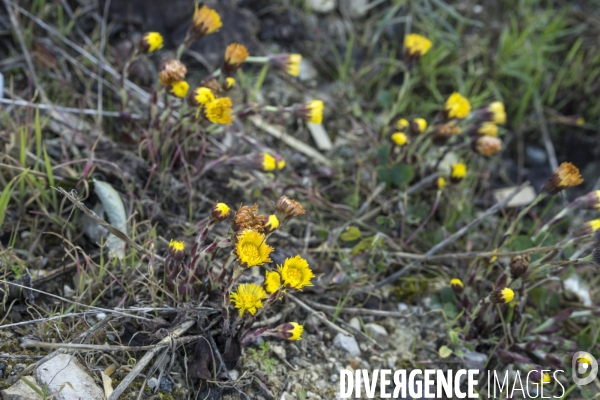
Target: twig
column 106, row 225
column 359, row 311
column 318, row 315
column 72, row 110
column 180, row 330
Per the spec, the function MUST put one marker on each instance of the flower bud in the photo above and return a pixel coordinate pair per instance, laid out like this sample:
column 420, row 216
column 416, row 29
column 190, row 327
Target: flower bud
column 457, row 285
column 151, row 42
column 289, row 63
column 519, row 265
column 176, row 250
column 400, row 139
column 587, row 228
column 229, row 83
column 502, row 296
column 272, row 281
column 287, row 209
column 440, row 183
column 459, row 171
column 590, row 201
column 416, row 46
column 219, row 212
column 290, row 331
column 494, row 112
column 402, row 124
column 204, row 22
column 235, row 55
column 179, row 89
column 418, row 126
column 487, row 129
column 271, row 223
column 310, row 112
column 566, row 176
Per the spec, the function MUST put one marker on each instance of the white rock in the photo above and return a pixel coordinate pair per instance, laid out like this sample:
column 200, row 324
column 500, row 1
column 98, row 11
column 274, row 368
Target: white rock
column 21, row 391
column 234, row 375
column 403, row 307
column 321, row 6
column 355, row 323
column 64, row 368
column 357, row 8
column 347, row 343
column 307, row 71
column 376, row 331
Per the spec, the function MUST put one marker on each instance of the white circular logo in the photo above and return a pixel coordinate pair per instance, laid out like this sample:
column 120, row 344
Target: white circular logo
column 585, row 368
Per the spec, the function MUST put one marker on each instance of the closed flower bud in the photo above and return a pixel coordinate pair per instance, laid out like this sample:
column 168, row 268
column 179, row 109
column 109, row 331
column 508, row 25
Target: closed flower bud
column 266, row 162
column 271, row 223
column 487, row 129
column 311, row 111
column 494, row 112
column 400, row 139
column 457, row 106
column 176, row 250
column 171, row 71
column 416, row 46
column 289, row 63
column 459, row 171
column 519, row 265
column 235, row 55
column 418, row 126
column 587, row 228
column 290, row 331
column 151, row 42
column 487, row 145
column 204, row 22
column 440, row 183
column 229, row 83
column 457, row 285
column 566, row 176
column 402, row 124
column 220, row 212
column 502, row 296
column 287, row 209
column 590, row 201
column 179, row 89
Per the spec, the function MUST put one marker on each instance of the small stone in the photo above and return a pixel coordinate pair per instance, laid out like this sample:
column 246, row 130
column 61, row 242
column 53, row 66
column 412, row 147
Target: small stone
column 355, row 323
column 307, row 71
column 19, row 367
column 402, row 307
column 321, row 6
column 355, row 363
column 376, row 331
column 333, row 378
column 287, row 396
column 166, row 385
column 357, row 8
column 347, row 343
column 234, row 375
column 64, row 368
column 22, row 391
column 152, row 383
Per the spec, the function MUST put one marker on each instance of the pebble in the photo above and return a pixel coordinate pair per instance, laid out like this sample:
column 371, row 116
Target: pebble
column 21, row 391
column 376, row 331
column 347, row 343
column 321, row 6
column 355, row 323
column 234, row 375
column 64, row 368
column 19, row 367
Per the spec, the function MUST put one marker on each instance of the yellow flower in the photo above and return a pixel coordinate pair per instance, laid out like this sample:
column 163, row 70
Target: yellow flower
column 151, row 42
column 176, row 249
column 293, row 64
column 272, row 281
column 179, row 89
column 235, row 55
column 313, row 111
column 219, row 111
column 498, row 114
column 229, row 83
column 248, row 298
column 456, row 283
column 271, row 223
column 202, row 96
column 588, row 228
column 580, row 121
column 418, row 125
column 220, row 212
column 251, row 249
column 204, row 22
column 296, row 273
column 459, row 171
column 566, row 176
column 402, row 124
column 269, row 163
column 295, row 331
column 488, row 129
column 590, row 201
column 400, row 139
column 441, row 183
column 281, row 164
column 416, row 45
column 493, row 259
column 502, row 296
column 546, row 378
column 457, row 106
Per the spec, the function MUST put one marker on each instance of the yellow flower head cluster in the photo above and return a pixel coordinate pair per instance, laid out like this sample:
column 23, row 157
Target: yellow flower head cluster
column 248, row 297
column 292, row 65
column 498, row 115
column 236, row 54
column 488, row 129
column 402, row 124
column 202, row 96
column 219, row 111
column 456, row 283
column 295, row 331
column 252, row 249
column 295, row 273
column 418, row 125
column 179, row 89
column 459, row 171
column 220, row 212
column 441, row 183
column 271, row 224
column 151, row 42
column 457, row 106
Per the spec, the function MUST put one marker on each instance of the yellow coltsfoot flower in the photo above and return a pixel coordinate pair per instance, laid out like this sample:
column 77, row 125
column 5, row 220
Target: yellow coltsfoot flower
column 402, row 124
column 201, row 96
column 311, row 111
column 271, row 223
column 219, row 111
column 272, row 282
column 590, row 201
column 251, row 249
column 176, row 249
column 566, row 176
column 229, row 83
column 588, row 228
column 179, row 89
column 220, row 212
column 295, row 273
column 416, row 46
column 456, row 285
column 440, row 183
column 290, row 331
column 248, row 297
column 502, row 296
column 457, row 106
column 289, row 63
column 459, row 171
column 418, row 126
column 151, row 42
column 204, row 22
column 235, row 55
column 400, row 139
column 487, row 129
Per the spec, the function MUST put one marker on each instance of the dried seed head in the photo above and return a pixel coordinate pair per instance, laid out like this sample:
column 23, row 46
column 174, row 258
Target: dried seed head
column 566, row 176
column 487, row 145
column 287, row 209
column 519, row 265
column 444, row 132
column 248, row 218
column 171, row 71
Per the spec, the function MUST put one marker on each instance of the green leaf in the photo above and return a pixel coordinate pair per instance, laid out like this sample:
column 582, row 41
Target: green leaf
column 453, row 338
column 445, row 351
column 351, row 234
column 522, row 243
column 384, row 175
column 459, row 353
column 115, row 210
column 402, row 174
column 385, row 98
column 383, row 154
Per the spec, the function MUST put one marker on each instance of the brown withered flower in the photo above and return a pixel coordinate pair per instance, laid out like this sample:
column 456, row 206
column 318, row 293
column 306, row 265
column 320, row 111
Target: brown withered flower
column 247, row 217
column 235, row 55
column 519, row 265
column 287, row 209
column 443, row 133
column 487, row 146
column 566, row 176
column 171, row 71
